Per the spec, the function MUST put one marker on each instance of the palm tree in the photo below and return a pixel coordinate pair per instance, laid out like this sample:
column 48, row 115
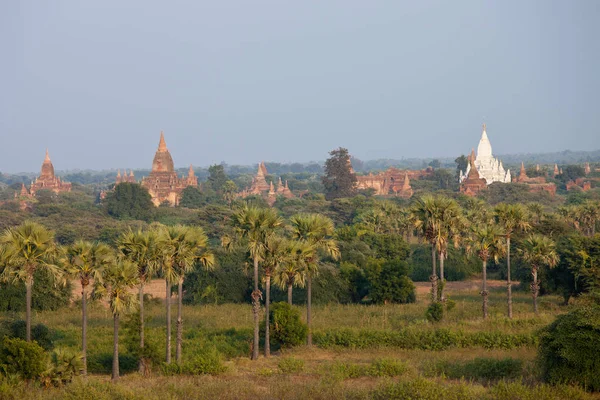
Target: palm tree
column 142, row 249
column 426, row 222
column 252, row 228
column 29, row 247
column 512, row 218
column 275, row 254
column 118, row 278
column 486, row 242
column 451, row 224
column 315, row 230
column 291, row 272
column 537, row 210
column 538, row 251
column 85, row 261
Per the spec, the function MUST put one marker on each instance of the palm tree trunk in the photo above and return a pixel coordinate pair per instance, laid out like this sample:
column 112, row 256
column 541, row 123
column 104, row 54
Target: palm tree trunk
column 442, row 257
column 267, row 316
column 179, row 321
column 484, row 292
column 308, row 308
column 168, row 305
column 508, row 282
column 84, row 328
column 115, row 366
column 142, row 363
column 28, row 285
column 289, row 290
column 535, row 289
column 433, row 278
column 255, row 310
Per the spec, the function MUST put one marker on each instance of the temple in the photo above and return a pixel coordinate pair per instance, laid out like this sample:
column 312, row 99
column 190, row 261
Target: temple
column 163, row 184
column 535, row 184
column 473, row 183
column 393, row 182
column 129, row 178
column 488, row 167
column 46, row 181
column 260, row 187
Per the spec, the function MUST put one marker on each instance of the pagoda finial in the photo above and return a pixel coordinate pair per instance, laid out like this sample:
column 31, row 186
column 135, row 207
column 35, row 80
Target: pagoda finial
column 191, row 172
column 162, row 145
column 118, row 173
column 484, row 127
column 47, row 158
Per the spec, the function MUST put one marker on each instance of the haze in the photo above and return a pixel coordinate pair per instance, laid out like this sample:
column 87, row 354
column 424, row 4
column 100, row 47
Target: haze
column 244, row 81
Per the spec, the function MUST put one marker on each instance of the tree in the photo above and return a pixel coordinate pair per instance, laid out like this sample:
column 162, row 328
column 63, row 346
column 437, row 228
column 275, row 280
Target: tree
column 85, row 261
column 291, row 271
column 486, row 242
column 275, row 254
column 129, row 201
column 29, row 247
column 461, row 165
column 217, row 177
column 314, row 230
column 117, row 281
column 191, row 197
column 252, row 227
column 339, row 179
column 435, row 163
column 538, row 251
column 512, row 218
column 229, row 191
column 141, row 248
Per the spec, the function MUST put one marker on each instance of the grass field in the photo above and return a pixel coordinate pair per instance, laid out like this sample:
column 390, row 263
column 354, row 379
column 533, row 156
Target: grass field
column 393, row 367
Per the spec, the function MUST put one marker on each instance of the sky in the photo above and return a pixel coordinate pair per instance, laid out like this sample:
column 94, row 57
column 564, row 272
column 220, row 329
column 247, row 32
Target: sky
column 287, row 81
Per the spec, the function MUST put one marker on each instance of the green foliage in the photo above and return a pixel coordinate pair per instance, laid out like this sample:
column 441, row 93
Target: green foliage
column 217, row 178
column 339, row 180
column 389, row 283
column 151, row 351
column 192, row 197
column 422, row 389
column 290, row 365
column 207, row 362
column 568, row 351
column 129, row 201
column 40, row 333
column 26, row 359
column 45, row 294
column 435, row 312
column 64, row 365
column 286, row 327
column 480, row 369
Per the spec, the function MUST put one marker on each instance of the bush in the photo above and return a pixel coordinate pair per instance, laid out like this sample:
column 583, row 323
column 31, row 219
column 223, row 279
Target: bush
column 435, row 312
column 568, row 351
column 26, row 359
column 40, row 333
column 65, row 364
column 208, row 362
column 484, row 369
column 286, row 327
column 387, row 367
column 291, row 365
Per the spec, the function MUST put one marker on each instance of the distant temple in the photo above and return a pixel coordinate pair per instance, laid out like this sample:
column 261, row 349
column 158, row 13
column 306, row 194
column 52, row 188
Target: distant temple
column 536, row 184
column 128, row 178
column 260, row 187
column 391, row 182
column 488, row 167
column 472, row 183
column 163, row 184
column 579, row 184
column 46, row 181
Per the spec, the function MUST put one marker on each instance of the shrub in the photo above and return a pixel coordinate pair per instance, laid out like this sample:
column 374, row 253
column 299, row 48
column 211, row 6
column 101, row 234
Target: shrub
column 40, row 333
column 387, row 367
column 208, row 362
column 26, row 359
column 65, row 364
column 286, row 327
column 485, row 369
column 435, row 312
column 568, row 351
column 291, row 365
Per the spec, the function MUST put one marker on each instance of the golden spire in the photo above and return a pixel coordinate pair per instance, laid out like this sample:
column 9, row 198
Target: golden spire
column 191, row 172
column 47, row 159
column 162, row 145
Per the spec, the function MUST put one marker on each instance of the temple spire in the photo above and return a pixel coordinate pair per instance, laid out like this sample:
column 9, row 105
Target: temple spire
column 162, row 145
column 47, row 158
column 191, row 172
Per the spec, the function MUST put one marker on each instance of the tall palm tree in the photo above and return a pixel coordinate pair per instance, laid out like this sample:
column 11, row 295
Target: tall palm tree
column 275, row 254
column 291, row 272
column 85, row 261
column 252, row 227
column 451, row 224
column 512, row 218
column 425, row 219
column 486, row 242
column 538, row 251
column 118, row 279
column 142, row 249
column 536, row 210
column 29, row 247
column 316, row 231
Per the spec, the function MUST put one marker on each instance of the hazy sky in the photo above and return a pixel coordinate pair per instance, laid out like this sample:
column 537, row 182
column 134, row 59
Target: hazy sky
column 242, row 81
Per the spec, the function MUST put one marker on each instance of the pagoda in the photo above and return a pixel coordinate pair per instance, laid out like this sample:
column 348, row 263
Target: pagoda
column 472, row 183
column 260, row 187
column 47, row 180
column 488, row 167
column 162, row 183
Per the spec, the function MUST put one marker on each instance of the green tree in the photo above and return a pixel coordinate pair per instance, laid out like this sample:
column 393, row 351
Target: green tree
column 142, row 249
column 85, row 261
column 538, row 251
column 252, row 228
column 117, row 281
column 28, row 247
column 291, row 272
column 191, row 197
column 315, row 230
column 275, row 254
column 217, row 178
column 339, row 179
column 229, row 190
column 512, row 218
column 461, row 164
column 129, row 201
column 486, row 242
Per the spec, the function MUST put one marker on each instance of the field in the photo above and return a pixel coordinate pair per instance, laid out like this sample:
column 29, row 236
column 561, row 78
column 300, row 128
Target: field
column 360, row 352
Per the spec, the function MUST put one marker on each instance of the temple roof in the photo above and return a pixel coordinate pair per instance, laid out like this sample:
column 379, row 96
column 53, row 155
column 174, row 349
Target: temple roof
column 163, row 162
column 47, row 167
column 484, row 150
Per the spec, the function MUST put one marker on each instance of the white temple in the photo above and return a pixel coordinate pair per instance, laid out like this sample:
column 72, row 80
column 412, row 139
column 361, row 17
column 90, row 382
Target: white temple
column 489, row 168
